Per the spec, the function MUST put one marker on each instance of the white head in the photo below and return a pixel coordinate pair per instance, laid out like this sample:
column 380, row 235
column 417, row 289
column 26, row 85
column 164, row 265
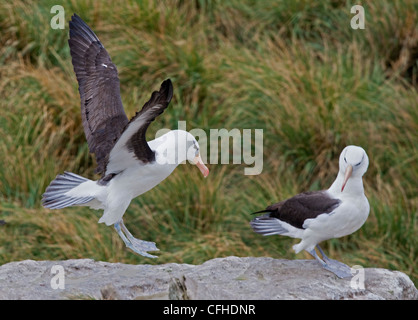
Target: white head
column 353, row 163
column 177, row 146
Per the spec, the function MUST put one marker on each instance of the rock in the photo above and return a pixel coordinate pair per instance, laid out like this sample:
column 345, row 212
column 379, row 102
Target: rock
column 222, row 278
column 86, row 279
column 236, row 278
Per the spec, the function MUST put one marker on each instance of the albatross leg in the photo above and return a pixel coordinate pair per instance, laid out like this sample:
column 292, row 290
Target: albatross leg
column 345, row 270
column 139, row 246
column 340, row 269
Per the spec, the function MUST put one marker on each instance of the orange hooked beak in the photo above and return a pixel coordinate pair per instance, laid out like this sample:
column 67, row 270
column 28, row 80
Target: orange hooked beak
column 347, row 175
column 199, row 163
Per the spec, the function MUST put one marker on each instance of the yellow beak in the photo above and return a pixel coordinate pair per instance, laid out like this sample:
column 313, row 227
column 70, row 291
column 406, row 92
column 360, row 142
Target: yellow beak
column 347, row 175
column 199, row 163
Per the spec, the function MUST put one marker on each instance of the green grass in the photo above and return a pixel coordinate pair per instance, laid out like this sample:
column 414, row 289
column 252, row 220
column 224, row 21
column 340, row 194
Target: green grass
column 292, row 68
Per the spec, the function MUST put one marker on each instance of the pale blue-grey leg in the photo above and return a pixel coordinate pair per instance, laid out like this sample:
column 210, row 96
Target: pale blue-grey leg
column 313, row 254
column 340, row 269
column 139, row 246
column 345, row 270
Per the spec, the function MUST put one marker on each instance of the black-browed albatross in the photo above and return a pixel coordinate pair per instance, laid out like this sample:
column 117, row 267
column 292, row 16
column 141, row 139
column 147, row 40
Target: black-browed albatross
column 129, row 165
column 316, row 216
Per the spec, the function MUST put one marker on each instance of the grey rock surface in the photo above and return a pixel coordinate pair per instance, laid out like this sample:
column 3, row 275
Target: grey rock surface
column 222, row 278
column 86, row 279
column 267, row 278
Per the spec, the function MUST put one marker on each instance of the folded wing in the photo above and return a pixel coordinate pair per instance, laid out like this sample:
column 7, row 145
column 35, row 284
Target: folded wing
column 294, row 211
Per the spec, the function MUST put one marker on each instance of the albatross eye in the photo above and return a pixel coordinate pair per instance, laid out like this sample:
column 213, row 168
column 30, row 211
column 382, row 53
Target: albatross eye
column 196, row 148
column 358, row 164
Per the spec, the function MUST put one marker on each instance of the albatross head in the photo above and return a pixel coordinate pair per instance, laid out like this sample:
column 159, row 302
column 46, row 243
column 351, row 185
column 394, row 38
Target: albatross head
column 353, row 163
column 177, row 146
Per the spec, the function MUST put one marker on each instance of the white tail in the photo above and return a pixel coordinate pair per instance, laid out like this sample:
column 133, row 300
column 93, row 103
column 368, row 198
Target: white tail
column 55, row 196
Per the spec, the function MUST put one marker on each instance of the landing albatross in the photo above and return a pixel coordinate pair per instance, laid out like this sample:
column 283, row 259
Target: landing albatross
column 128, row 164
column 316, row 216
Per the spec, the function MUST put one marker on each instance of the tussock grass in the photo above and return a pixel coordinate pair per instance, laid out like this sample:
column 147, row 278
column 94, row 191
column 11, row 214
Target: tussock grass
column 292, row 68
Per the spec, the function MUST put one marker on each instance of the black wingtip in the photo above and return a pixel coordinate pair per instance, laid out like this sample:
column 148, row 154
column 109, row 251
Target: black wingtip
column 167, row 86
column 80, row 29
column 262, row 211
column 75, row 21
column 75, row 18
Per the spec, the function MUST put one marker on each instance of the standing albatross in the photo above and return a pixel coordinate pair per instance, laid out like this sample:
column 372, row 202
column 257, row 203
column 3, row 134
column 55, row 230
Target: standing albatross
column 316, row 216
column 129, row 165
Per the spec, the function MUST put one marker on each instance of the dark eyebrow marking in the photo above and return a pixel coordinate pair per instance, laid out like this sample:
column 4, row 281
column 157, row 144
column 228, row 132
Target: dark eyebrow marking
column 360, row 160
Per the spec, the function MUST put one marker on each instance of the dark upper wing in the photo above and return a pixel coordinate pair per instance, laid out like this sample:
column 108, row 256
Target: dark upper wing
column 101, row 106
column 303, row 206
column 132, row 143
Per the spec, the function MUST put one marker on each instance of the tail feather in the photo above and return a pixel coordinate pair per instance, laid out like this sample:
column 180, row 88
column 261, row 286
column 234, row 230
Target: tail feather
column 55, row 196
column 267, row 225
column 262, row 211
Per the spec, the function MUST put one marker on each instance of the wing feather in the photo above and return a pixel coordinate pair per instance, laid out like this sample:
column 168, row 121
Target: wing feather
column 307, row 205
column 132, row 144
column 102, row 111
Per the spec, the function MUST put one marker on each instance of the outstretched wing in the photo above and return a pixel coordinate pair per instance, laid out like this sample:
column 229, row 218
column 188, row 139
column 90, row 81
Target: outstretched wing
column 132, row 144
column 102, row 111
